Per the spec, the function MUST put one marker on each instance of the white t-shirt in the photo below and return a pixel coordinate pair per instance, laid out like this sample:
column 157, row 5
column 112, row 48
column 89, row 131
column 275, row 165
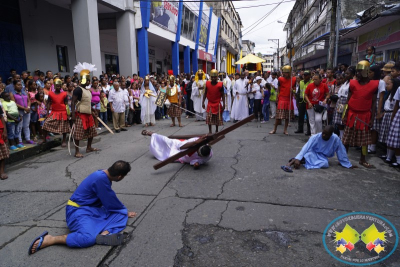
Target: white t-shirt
column 381, row 87
column 344, row 90
column 257, row 94
column 106, row 89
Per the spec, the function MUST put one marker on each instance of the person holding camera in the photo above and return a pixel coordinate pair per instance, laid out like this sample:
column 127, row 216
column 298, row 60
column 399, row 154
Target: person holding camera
column 315, row 93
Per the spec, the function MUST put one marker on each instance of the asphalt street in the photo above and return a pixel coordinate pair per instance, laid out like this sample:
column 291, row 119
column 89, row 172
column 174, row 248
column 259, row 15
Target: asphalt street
column 240, row 209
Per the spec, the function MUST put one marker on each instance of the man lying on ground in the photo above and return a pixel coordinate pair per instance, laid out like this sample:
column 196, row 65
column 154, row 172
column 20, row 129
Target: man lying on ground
column 163, row 147
column 320, row 147
column 94, row 213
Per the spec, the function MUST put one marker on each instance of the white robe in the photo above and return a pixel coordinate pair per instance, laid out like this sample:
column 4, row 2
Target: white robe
column 148, row 107
column 228, row 95
column 163, row 147
column 197, row 98
column 240, row 107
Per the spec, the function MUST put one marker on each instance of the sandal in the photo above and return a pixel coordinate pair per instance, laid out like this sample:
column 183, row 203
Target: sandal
column 92, row 149
column 367, row 165
column 272, row 132
column 172, row 125
column 79, row 156
column 286, row 168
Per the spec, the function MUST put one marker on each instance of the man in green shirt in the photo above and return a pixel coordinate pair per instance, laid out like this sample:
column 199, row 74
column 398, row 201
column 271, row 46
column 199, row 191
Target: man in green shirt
column 302, row 104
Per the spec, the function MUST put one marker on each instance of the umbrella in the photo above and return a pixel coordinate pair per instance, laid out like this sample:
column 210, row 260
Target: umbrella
column 250, row 58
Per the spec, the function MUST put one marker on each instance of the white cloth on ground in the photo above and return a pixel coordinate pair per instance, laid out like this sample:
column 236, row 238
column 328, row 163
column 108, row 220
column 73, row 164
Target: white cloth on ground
column 163, row 147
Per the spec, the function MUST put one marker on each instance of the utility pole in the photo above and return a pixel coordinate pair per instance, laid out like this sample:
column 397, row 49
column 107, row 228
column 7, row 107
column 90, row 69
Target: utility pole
column 332, row 36
column 338, row 20
column 277, row 54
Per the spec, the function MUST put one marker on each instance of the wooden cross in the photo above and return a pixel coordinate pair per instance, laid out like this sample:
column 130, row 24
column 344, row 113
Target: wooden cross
column 210, row 139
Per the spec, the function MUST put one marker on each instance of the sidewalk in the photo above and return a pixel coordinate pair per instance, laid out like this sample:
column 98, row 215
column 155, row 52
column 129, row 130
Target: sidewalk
column 33, row 150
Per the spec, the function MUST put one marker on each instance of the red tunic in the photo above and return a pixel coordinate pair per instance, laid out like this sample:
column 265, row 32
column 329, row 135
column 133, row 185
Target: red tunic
column 214, row 97
column 360, row 103
column 58, row 108
column 285, row 86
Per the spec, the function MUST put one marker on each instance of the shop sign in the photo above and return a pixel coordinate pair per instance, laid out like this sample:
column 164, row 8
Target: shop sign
column 384, row 35
column 165, row 14
column 202, row 55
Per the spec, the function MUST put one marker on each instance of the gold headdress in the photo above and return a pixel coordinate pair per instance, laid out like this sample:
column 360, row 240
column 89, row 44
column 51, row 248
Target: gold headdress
column 196, row 78
column 214, row 73
column 57, row 81
column 147, row 78
column 286, row 68
column 363, row 65
column 84, row 69
column 171, row 78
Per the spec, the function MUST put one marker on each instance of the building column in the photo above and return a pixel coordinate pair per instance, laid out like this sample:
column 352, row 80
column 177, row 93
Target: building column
column 186, row 59
column 126, row 38
column 143, row 39
column 86, row 33
column 175, row 57
column 195, row 54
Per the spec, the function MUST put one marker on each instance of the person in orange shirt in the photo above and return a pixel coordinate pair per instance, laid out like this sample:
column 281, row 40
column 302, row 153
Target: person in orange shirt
column 286, row 90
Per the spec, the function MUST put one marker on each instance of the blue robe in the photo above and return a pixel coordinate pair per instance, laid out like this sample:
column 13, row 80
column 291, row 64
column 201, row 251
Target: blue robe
column 317, row 151
column 99, row 210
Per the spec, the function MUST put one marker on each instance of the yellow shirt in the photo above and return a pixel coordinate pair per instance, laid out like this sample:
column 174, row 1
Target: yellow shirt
column 102, row 107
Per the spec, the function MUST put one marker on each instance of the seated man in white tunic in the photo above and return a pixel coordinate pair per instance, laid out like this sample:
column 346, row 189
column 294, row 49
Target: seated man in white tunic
column 163, row 147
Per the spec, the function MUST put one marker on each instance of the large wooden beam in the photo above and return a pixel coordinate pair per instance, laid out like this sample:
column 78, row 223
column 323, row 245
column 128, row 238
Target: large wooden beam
column 211, row 139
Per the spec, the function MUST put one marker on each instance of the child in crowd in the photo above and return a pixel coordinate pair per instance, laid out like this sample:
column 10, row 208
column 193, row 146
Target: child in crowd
column 4, row 153
column 14, row 121
column 34, row 115
column 103, row 107
column 266, row 102
column 163, row 88
column 41, row 110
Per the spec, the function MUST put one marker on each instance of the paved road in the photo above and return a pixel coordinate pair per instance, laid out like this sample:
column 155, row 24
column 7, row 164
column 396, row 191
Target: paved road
column 240, row 209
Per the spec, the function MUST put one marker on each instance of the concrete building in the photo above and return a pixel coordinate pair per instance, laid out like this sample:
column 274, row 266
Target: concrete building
column 229, row 38
column 123, row 36
column 308, row 29
column 268, row 65
column 248, row 47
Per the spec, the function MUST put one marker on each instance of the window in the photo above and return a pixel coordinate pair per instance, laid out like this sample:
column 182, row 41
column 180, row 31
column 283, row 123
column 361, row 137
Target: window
column 189, row 24
column 62, row 58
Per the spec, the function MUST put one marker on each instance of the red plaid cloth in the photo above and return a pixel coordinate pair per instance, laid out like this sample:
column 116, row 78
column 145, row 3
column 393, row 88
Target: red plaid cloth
column 4, row 153
column 284, row 114
column 214, row 119
column 51, row 124
column 174, row 111
column 80, row 133
column 355, row 137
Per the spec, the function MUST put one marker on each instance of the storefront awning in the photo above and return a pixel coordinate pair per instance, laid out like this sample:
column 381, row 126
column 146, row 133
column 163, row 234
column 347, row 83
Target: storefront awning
column 370, row 26
column 325, row 36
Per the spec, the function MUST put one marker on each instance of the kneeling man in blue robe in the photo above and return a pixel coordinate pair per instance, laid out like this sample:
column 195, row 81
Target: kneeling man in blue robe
column 320, row 147
column 94, row 214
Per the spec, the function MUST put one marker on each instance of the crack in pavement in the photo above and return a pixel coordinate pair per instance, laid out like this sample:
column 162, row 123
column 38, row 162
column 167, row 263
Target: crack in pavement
column 235, row 170
column 12, row 239
column 222, row 214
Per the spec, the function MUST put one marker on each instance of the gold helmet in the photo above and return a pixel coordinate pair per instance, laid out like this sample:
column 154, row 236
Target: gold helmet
column 57, row 81
column 147, row 78
column 214, row 73
column 286, row 68
column 363, row 65
column 84, row 70
column 171, row 78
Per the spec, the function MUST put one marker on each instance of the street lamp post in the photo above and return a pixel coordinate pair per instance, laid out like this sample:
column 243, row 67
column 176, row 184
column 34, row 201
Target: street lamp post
column 277, row 54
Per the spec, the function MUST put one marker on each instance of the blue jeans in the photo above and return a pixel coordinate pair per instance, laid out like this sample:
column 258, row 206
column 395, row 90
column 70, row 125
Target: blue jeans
column 13, row 129
column 103, row 116
column 251, row 106
column 24, row 126
column 265, row 111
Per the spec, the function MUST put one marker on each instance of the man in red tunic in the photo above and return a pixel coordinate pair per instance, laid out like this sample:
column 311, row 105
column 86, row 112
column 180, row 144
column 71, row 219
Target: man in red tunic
column 214, row 93
column 285, row 108
column 361, row 111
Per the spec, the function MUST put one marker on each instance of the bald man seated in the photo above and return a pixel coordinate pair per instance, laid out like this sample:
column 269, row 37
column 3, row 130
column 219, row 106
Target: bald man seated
column 320, row 147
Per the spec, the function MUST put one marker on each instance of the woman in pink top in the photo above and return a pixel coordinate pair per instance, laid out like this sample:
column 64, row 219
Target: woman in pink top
column 96, row 99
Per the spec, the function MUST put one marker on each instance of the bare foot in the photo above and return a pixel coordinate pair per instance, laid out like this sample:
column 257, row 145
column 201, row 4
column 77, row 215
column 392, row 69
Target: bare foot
column 286, row 133
column 172, row 125
column 180, row 125
column 151, row 124
column 272, row 132
column 146, row 125
column 46, row 242
column 3, row 176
